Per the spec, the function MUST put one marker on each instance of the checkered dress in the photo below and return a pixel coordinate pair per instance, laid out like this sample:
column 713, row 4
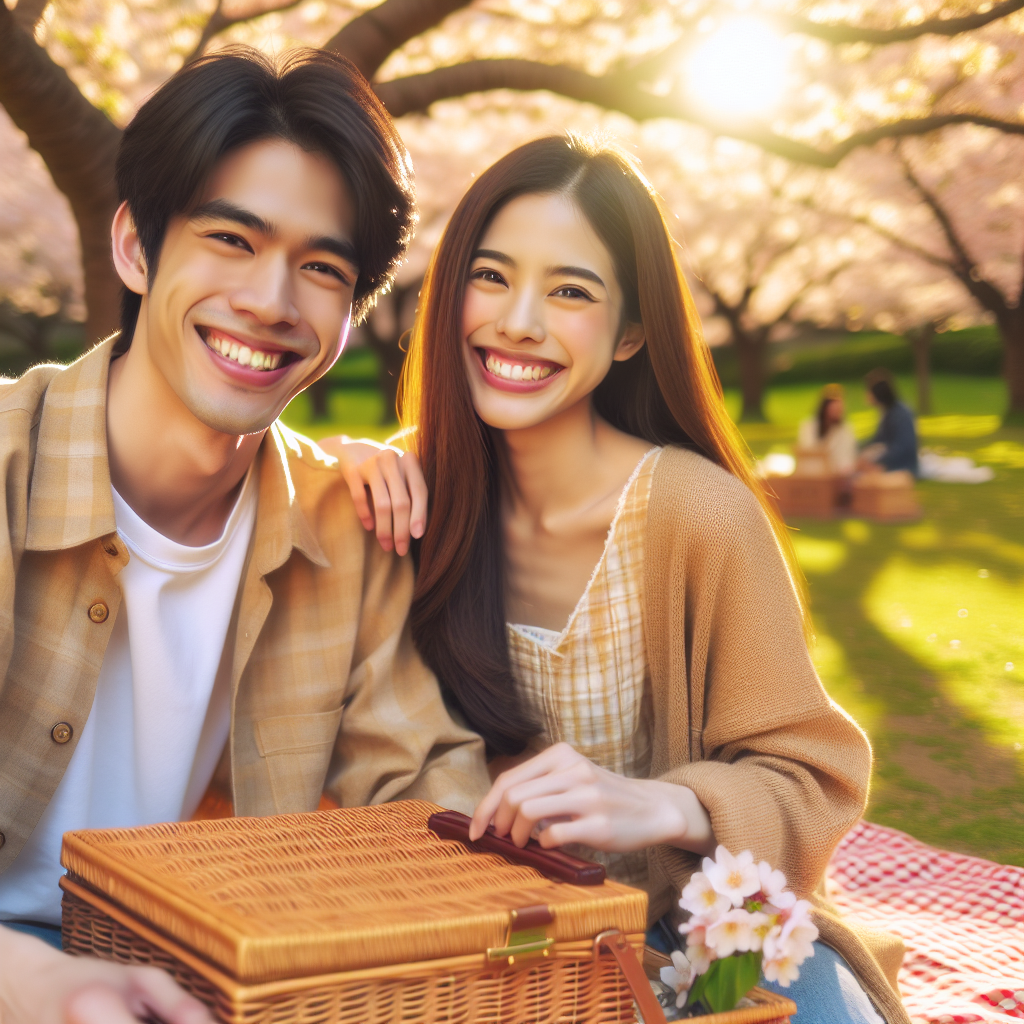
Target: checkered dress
column 589, row 685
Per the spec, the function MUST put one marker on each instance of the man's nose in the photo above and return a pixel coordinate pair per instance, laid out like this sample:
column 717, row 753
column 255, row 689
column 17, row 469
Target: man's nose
column 268, row 292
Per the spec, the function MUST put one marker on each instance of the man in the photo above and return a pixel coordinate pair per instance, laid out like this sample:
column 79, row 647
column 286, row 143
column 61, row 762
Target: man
column 185, row 590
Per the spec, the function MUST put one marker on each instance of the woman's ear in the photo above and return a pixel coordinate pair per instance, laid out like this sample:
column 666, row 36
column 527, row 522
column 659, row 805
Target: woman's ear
column 127, row 251
column 630, row 343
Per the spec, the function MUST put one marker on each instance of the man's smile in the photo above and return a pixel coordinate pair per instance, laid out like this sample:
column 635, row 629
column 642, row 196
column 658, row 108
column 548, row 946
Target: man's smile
column 245, row 353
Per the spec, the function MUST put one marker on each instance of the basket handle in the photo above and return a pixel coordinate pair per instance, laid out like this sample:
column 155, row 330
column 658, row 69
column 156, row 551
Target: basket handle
column 562, row 867
column 615, row 942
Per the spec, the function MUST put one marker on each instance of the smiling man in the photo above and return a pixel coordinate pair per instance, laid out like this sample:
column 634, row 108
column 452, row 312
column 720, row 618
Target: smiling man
column 188, row 603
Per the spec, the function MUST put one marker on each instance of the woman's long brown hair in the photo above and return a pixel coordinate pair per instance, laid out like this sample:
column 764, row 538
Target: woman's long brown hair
column 668, row 394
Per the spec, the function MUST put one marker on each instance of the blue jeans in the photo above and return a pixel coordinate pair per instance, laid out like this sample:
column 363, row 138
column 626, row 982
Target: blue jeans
column 50, row 934
column 827, row 992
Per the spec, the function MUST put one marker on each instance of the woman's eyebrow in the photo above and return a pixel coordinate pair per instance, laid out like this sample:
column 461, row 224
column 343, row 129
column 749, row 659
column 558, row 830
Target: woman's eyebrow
column 587, row 275
column 493, row 254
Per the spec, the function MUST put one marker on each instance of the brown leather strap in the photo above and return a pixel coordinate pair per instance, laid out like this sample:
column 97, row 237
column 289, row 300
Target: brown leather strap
column 617, row 944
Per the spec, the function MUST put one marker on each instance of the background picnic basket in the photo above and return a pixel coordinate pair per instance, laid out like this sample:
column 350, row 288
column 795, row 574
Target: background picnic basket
column 357, row 915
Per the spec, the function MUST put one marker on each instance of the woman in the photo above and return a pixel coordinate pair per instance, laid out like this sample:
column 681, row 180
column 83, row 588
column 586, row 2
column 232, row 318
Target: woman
column 601, row 578
column 826, row 438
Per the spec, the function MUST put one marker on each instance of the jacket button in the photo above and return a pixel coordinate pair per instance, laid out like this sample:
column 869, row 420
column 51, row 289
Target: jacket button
column 61, row 732
column 98, row 612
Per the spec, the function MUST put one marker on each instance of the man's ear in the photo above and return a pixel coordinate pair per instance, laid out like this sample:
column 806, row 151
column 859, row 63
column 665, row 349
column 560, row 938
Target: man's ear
column 127, row 251
column 630, row 343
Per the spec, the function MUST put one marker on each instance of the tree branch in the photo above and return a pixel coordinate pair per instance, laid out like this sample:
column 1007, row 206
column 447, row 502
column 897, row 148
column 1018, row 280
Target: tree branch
column 883, row 36
column 28, row 13
column 219, row 21
column 962, row 264
column 415, row 93
column 372, row 37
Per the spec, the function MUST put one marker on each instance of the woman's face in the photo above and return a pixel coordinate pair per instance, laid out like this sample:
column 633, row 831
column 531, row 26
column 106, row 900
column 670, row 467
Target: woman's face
column 834, row 411
column 542, row 313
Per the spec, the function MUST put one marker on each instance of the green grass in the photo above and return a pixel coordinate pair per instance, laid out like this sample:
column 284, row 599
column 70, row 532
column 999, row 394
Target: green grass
column 920, row 628
column 946, row 720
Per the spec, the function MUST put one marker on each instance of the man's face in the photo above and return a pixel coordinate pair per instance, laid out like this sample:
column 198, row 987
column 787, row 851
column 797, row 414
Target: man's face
column 252, row 297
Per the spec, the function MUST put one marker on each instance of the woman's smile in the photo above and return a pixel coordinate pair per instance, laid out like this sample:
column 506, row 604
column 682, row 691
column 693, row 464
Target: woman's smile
column 516, row 373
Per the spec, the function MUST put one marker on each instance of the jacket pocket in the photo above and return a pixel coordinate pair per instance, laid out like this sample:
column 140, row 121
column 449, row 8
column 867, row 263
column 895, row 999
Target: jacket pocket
column 297, row 750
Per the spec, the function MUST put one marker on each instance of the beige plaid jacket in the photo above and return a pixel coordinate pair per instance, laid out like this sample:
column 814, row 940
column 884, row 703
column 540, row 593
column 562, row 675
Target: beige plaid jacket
column 329, row 694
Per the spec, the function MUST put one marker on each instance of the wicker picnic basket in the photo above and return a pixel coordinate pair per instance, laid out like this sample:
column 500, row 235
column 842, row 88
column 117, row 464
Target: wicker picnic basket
column 361, row 915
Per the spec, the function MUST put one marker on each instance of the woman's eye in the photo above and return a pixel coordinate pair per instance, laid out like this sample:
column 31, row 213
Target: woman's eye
column 491, row 276
column 571, row 292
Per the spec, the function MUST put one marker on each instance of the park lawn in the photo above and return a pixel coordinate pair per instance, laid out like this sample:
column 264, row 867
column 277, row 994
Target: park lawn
column 919, row 629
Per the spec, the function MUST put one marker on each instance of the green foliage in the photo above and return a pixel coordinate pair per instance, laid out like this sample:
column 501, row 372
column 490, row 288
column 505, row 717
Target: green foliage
column 976, row 351
column 726, row 982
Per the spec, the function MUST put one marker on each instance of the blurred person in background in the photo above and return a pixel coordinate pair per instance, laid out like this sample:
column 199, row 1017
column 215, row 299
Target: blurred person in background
column 893, row 446
column 826, row 445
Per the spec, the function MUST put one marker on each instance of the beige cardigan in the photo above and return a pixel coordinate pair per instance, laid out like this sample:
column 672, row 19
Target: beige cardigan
column 739, row 714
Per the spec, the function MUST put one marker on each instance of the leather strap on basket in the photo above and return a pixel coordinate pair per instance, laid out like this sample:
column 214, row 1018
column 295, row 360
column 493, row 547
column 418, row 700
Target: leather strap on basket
column 617, row 944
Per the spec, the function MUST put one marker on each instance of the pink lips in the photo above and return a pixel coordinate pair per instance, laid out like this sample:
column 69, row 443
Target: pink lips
column 245, row 374
column 507, row 384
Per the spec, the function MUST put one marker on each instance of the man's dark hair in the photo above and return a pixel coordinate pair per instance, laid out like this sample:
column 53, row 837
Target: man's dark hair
column 883, row 387
column 314, row 99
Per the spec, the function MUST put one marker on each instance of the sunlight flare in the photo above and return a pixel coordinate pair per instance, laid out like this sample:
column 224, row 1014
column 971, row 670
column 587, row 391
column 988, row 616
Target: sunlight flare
column 740, row 70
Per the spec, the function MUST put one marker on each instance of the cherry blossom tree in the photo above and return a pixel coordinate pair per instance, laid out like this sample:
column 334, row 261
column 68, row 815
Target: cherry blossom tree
column 70, row 76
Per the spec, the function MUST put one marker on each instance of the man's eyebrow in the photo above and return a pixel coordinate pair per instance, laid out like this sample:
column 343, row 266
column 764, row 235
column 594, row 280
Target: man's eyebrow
column 221, row 209
column 587, row 275
column 493, row 254
column 340, row 247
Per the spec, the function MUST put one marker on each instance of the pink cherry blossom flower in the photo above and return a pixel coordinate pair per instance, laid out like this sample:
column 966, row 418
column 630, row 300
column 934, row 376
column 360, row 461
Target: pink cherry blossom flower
column 735, row 877
column 702, row 899
column 697, row 950
column 679, row 976
column 773, row 885
column 732, row 932
column 784, row 970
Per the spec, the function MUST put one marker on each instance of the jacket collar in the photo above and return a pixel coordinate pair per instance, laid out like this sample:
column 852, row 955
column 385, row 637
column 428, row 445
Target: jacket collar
column 70, row 500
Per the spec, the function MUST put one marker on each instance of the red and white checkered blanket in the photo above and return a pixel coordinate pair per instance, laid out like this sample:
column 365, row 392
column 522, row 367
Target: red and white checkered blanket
column 962, row 919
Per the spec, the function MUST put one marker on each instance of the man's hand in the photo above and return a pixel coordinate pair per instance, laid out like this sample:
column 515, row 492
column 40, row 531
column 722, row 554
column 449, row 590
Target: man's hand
column 561, row 797
column 395, row 484
column 38, row 985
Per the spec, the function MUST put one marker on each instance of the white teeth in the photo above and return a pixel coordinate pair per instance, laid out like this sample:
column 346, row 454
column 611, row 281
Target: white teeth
column 515, row 371
column 243, row 355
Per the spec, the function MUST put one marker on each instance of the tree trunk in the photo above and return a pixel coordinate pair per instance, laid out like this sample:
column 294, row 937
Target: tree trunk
column 921, row 340
column 751, row 352
column 319, row 396
column 1011, row 327
column 391, row 359
column 79, row 144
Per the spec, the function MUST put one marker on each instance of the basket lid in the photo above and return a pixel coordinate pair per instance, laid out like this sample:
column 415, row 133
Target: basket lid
column 294, row 895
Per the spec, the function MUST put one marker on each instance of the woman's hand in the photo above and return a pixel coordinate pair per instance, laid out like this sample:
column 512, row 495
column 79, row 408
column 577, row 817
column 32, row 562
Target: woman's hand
column 395, row 484
column 38, row 985
column 561, row 797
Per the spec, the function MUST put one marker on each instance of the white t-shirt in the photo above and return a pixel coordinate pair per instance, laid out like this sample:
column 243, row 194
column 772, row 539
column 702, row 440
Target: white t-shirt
column 162, row 710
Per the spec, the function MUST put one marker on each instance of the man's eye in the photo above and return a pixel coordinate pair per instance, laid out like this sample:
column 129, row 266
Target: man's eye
column 326, row 268
column 230, row 239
